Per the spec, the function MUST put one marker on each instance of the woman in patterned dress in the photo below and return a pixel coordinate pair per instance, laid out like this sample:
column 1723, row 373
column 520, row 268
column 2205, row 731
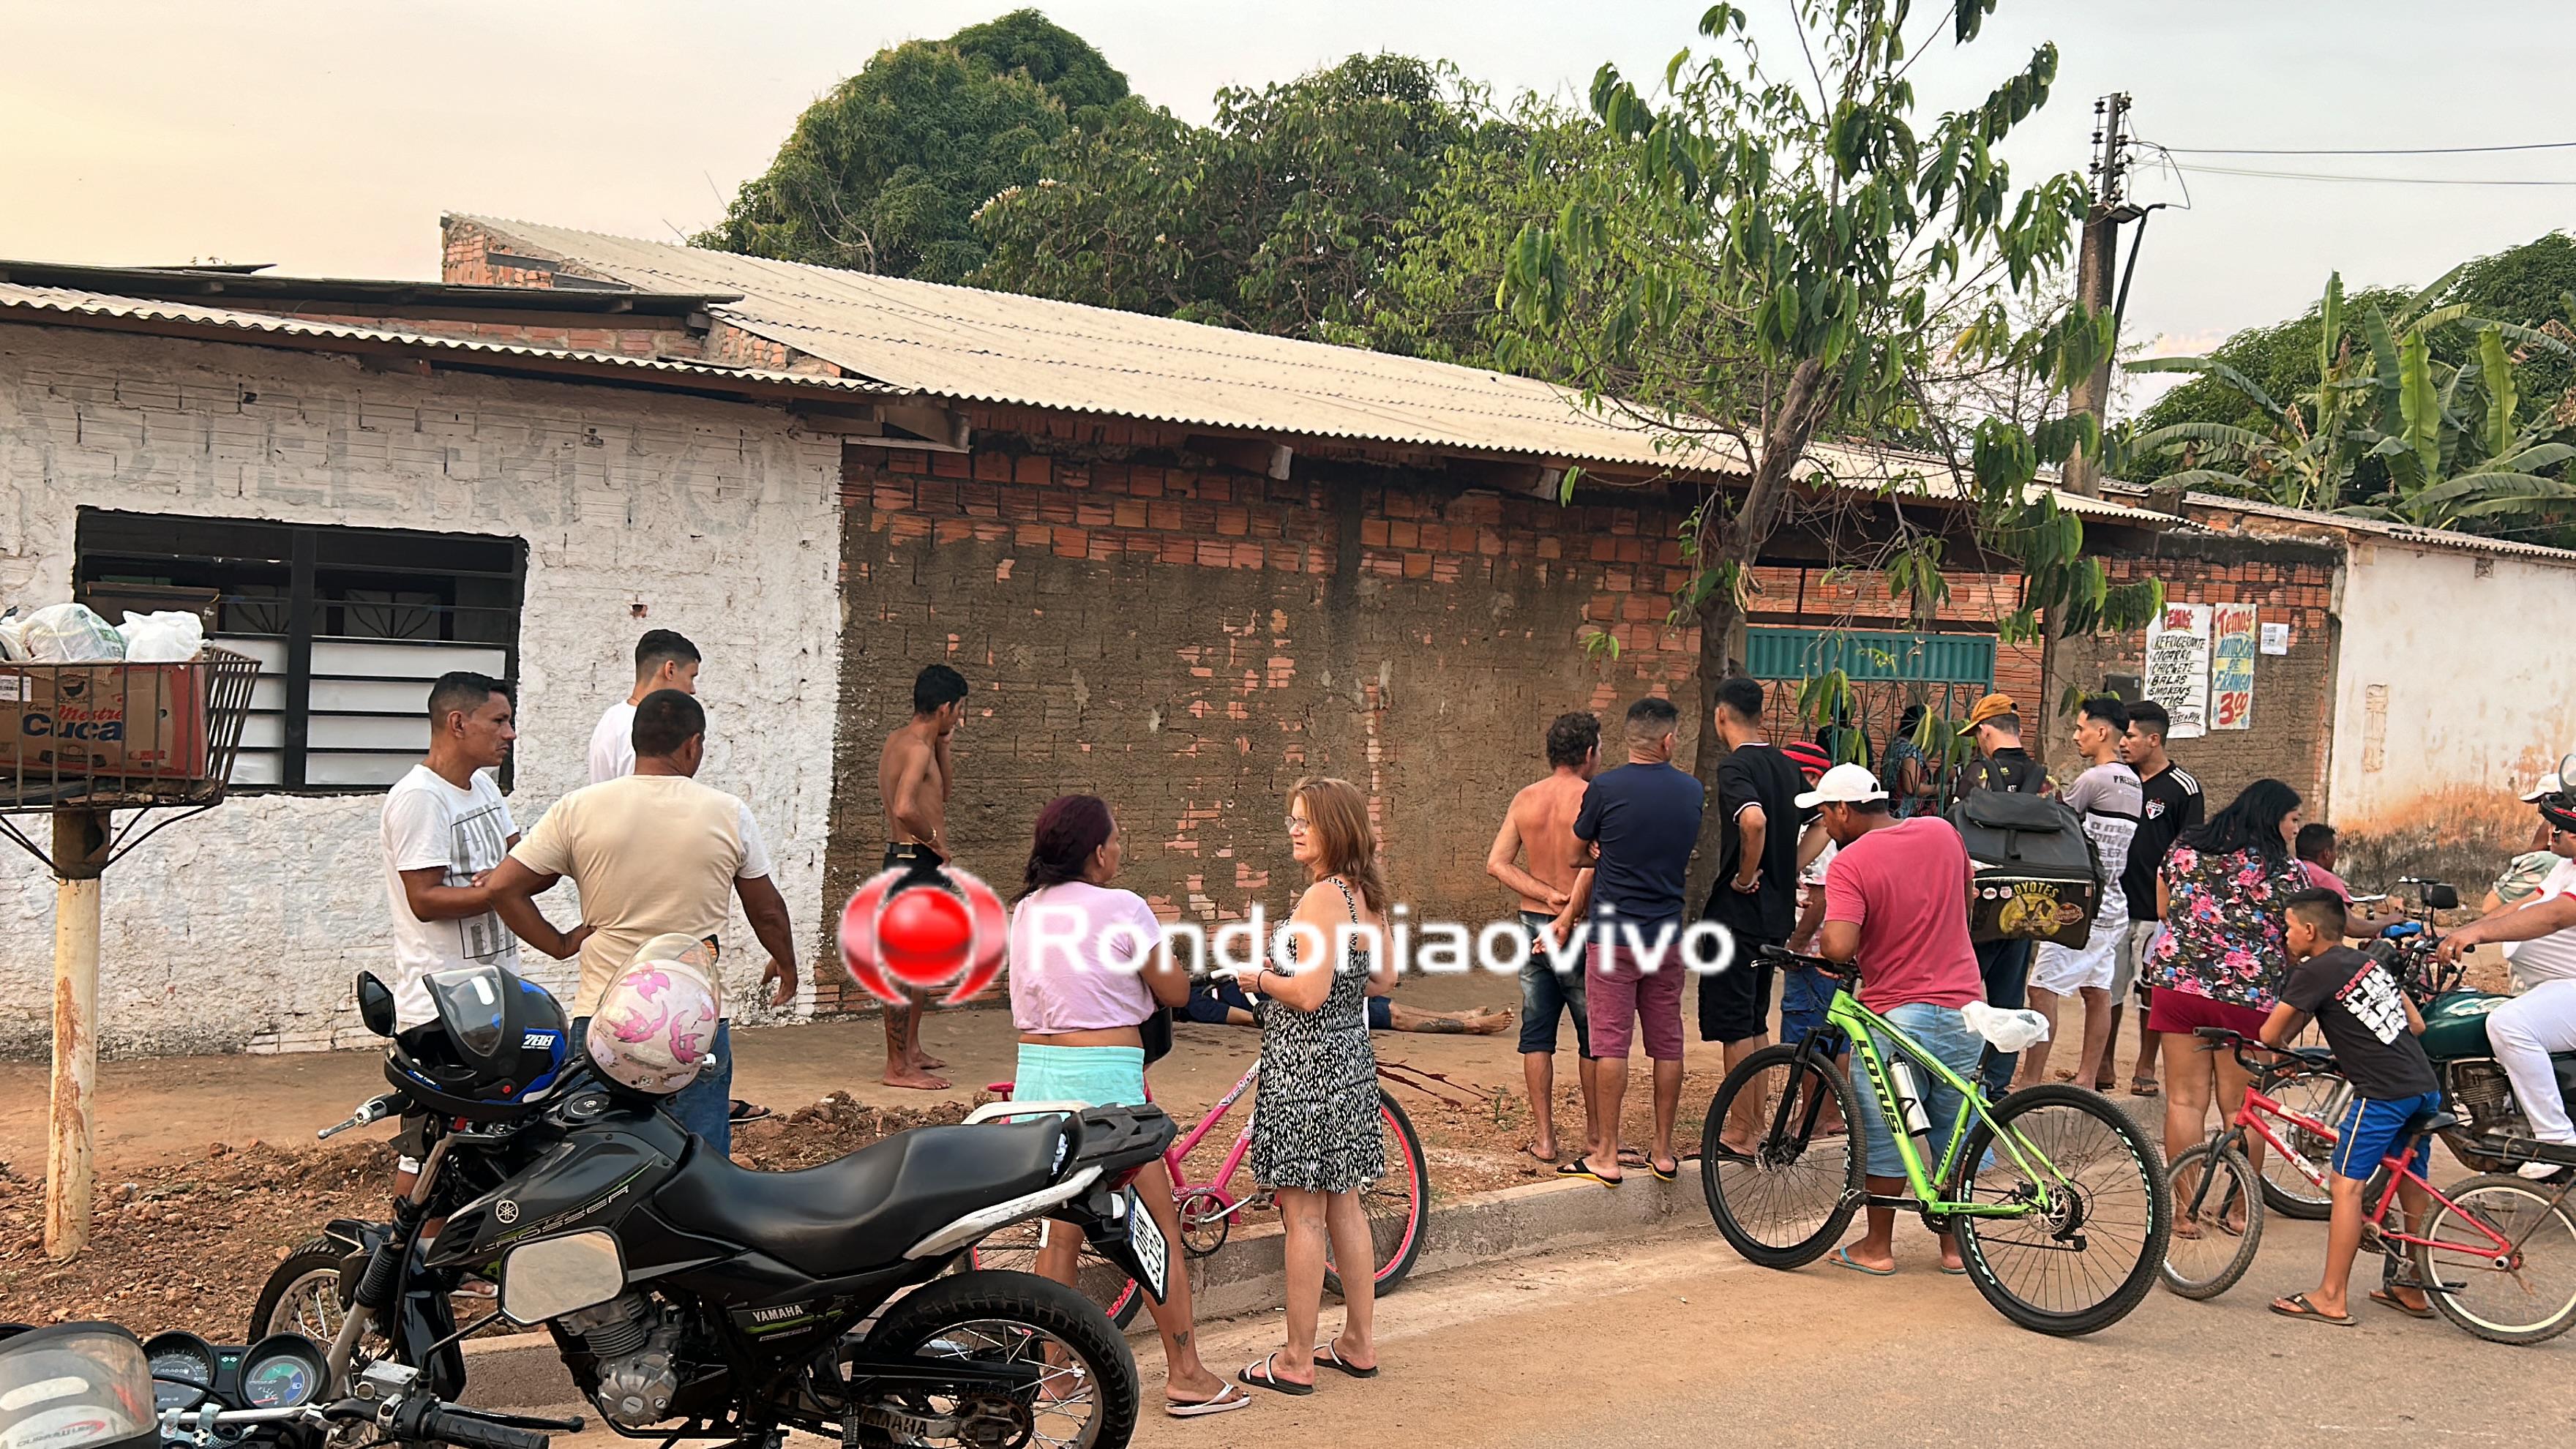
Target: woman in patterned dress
column 1315, row 1138
column 2219, row 959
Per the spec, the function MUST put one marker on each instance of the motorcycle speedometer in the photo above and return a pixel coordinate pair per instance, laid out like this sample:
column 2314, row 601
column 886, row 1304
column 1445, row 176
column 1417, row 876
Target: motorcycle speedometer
column 281, row 1371
column 183, row 1370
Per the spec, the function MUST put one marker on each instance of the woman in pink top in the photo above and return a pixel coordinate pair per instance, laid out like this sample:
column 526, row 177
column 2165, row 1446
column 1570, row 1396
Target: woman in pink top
column 1085, row 976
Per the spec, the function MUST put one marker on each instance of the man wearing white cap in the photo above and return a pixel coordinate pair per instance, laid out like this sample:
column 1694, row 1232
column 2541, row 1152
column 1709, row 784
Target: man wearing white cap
column 1896, row 901
column 2541, row 1021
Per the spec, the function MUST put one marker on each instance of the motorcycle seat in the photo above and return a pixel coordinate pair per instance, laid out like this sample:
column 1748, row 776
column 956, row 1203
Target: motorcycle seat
column 863, row 1210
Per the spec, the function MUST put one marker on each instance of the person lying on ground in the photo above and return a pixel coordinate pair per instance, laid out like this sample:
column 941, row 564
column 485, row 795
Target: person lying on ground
column 1219, row 1002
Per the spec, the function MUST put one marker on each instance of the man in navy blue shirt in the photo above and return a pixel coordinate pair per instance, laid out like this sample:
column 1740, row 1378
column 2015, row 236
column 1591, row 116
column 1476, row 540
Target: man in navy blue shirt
column 1641, row 820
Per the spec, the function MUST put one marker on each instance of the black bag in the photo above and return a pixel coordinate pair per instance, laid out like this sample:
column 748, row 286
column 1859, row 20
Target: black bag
column 1157, row 1033
column 2038, row 874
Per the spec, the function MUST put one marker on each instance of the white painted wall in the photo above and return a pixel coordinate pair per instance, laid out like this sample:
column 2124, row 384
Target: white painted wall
column 2453, row 691
column 242, row 928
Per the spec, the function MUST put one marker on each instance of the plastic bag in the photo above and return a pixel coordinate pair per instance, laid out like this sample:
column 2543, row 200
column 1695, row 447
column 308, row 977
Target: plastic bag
column 13, row 633
column 71, row 634
column 172, row 636
column 2005, row 1031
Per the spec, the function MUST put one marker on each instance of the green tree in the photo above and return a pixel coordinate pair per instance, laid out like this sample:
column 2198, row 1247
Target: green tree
column 885, row 173
column 2390, row 429
column 1278, row 217
column 1832, row 242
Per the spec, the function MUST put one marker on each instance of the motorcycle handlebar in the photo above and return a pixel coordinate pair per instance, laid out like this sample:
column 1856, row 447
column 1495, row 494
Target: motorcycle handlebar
column 473, row 1433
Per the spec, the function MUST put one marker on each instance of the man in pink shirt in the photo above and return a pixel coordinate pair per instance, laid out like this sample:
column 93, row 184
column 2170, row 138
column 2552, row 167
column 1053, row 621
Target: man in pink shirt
column 1896, row 900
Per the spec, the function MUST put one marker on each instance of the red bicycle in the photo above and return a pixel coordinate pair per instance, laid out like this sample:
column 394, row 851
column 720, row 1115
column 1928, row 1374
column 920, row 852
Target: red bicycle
column 2497, row 1256
column 1398, row 1205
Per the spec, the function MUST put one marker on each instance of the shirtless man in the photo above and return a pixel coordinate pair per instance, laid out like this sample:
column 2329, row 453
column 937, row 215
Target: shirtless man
column 914, row 777
column 1541, row 824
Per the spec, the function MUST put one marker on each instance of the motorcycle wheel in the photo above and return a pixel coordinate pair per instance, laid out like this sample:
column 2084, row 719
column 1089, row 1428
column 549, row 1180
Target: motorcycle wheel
column 1088, row 1397
column 302, row 1296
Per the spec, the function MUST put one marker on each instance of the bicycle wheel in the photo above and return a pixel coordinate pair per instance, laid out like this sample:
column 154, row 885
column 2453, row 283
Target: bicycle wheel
column 1015, row 1248
column 2323, row 1096
column 2207, row 1186
column 2081, row 1263
column 1398, row 1205
column 2528, row 1297
column 1787, row 1203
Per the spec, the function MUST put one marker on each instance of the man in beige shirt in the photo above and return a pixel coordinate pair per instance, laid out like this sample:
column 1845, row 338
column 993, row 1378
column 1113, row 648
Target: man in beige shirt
column 654, row 852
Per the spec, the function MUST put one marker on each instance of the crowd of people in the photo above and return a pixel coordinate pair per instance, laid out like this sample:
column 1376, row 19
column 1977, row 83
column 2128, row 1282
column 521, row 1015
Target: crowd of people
column 2199, row 923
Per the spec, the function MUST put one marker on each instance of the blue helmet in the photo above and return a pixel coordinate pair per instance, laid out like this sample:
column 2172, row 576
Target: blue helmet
column 500, row 1045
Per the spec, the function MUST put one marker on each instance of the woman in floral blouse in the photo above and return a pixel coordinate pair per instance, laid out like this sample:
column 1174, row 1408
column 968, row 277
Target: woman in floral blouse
column 2221, row 955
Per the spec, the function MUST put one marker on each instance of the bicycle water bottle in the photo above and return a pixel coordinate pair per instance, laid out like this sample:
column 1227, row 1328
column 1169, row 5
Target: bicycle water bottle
column 1909, row 1101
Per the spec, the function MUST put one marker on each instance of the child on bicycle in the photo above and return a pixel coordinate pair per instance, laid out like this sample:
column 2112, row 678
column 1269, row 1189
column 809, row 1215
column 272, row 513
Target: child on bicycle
column 2371, row 1027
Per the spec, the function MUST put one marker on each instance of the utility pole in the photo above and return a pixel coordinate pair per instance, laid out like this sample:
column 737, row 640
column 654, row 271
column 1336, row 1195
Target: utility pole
column 2096, row 261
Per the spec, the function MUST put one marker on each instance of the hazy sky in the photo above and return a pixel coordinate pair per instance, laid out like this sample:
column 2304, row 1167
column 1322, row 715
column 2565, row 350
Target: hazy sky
column 326, row 135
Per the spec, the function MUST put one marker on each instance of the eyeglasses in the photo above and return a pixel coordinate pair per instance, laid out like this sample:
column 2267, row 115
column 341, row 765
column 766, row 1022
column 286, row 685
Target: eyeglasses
column 1296, row 826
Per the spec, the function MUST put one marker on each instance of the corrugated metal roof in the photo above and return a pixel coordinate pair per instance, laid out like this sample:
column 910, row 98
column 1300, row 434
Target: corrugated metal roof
column 997, row 347
column 2444, row 538
column 71, row 304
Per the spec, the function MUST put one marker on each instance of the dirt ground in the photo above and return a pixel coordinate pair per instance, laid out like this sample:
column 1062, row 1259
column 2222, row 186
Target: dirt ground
column 209, row 1175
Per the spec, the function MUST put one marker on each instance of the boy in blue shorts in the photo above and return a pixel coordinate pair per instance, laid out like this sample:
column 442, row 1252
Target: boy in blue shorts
column 2371, row 1028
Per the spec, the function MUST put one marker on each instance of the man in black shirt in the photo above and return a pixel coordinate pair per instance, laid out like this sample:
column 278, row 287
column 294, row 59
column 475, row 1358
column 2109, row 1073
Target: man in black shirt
column 2169, row 804
column 2371, row 1027
column 1755, row 895
column 1994, row 725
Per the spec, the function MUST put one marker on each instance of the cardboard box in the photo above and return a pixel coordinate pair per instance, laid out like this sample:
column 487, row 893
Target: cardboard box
column 146, row 720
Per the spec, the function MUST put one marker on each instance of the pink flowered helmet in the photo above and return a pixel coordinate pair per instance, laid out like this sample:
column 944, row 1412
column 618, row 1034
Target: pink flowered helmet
column 654, row 1028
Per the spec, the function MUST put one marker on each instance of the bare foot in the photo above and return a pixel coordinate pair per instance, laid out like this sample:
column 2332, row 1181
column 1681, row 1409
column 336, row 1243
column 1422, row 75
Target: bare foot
column 1488, row 1023
column 924, row 1061
column 915, row 1078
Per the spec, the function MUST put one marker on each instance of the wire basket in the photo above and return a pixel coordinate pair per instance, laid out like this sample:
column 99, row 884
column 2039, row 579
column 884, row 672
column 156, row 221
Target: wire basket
column 118, row 736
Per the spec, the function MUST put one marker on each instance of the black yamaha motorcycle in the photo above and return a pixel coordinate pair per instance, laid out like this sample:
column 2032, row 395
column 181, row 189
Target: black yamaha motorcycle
column 695, row 1299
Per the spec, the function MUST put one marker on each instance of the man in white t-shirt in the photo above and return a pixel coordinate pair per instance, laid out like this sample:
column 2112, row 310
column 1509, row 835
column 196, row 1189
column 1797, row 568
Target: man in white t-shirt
column 2108, row 797
column 655, row 852
column 2542, row 1020
column 445, row 828
column 663, row 660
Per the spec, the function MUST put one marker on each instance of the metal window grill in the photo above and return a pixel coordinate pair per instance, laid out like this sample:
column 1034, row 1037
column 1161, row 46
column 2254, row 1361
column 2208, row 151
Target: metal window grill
column 116, row 736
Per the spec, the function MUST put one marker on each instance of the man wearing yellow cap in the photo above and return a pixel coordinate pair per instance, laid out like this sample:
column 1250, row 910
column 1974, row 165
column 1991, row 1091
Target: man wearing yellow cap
column 2002, row 764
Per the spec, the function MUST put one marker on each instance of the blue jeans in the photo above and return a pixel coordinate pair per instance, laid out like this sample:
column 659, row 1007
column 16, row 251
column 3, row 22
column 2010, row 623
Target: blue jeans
column 1942, row 1032
column 2006, row 967
column 705, row 1106
column 1805, row 992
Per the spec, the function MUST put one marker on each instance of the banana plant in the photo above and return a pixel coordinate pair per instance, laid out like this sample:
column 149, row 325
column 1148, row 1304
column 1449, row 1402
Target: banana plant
column 2433, row 443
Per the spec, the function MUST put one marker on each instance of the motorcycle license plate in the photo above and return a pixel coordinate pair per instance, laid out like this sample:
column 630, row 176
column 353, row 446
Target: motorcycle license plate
column 1145, row 1238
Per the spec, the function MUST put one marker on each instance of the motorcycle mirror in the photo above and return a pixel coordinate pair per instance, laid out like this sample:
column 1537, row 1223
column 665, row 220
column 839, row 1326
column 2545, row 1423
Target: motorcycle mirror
column 2441, row 897
column 375, row 1004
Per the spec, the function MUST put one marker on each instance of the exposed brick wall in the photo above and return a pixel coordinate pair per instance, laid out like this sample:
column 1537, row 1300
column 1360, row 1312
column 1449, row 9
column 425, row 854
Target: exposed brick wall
column 2291, row 583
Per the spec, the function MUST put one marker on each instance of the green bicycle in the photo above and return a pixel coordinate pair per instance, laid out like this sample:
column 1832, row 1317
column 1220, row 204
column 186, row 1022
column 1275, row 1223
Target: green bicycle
column 2058, row 1200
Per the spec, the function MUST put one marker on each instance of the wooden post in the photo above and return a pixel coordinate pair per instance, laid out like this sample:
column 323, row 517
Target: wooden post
column 80, row 858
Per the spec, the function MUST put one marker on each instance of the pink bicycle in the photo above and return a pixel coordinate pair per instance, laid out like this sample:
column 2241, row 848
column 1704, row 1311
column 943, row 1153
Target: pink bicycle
column 1398, row 1207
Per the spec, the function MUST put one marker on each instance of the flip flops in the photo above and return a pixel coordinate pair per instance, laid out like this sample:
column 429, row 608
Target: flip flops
column 2384, row 1297
column 1260, row 1376
column 2144, row 1087
column 1582, row 1169
column 742, row 1111
column 1326, row 1355
column 1228, row 1398
column 2298, row 1306
column 1842, row 1258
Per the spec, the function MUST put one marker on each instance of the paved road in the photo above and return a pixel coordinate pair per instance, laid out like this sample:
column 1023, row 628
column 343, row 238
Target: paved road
column 1676, row 1341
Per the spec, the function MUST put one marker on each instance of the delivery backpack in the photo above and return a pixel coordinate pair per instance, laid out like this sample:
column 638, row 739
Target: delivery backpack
column 2038, row 874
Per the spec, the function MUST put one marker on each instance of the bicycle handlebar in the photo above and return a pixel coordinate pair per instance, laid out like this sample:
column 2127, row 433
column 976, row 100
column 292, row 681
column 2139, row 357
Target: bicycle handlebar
column 1845, row 972
column 2291, row 1060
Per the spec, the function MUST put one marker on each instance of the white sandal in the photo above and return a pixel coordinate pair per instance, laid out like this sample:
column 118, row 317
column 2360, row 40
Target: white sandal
column 1228, row 1398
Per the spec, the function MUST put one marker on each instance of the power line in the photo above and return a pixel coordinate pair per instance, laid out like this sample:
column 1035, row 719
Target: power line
column 2376, row 180
column 2370, row 151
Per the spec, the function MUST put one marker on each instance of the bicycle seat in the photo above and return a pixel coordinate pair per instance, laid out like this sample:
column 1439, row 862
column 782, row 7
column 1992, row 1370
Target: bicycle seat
column 2431, row 1119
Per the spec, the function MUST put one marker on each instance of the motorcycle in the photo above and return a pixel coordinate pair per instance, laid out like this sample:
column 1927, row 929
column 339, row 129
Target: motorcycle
column 2474, row 1085
column 95, row 1386
column 695, row 1299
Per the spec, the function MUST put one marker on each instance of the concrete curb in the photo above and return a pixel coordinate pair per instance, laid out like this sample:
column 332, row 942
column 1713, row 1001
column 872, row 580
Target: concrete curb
column 522, row 1371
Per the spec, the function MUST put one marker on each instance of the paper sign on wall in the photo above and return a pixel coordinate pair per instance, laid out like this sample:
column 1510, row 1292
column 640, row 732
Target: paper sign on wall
column 2276, row 638
column 2231, row 668
column 2178, row 668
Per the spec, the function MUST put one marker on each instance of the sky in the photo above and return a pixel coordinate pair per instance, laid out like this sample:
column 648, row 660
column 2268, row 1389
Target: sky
column 326, row 136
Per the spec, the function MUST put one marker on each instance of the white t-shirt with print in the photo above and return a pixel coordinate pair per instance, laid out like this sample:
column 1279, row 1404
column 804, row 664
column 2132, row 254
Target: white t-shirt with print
column 429, row 822
column 2551, row 957
column 612, row 744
